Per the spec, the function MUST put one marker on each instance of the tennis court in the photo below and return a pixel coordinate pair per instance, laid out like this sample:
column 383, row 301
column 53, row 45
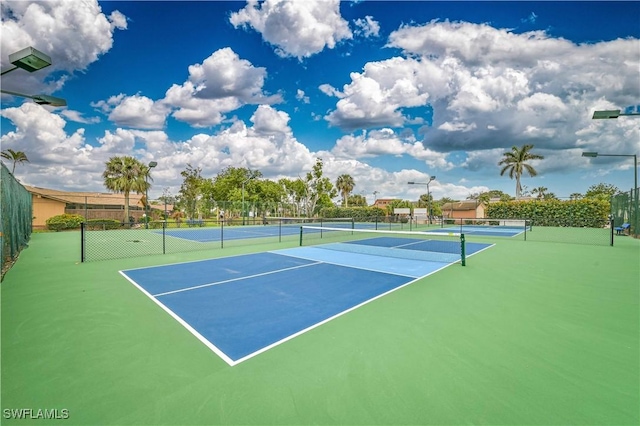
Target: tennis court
column 529, row 332
column 241, row 306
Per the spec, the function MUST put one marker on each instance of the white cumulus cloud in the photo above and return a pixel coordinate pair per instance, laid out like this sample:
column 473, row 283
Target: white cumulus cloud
column 297, row 29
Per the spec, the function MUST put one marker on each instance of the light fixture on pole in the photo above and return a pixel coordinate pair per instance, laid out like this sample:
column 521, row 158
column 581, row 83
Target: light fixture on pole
column 146, row 196
column 431, row 179
column 31, row 59
column 611, row 113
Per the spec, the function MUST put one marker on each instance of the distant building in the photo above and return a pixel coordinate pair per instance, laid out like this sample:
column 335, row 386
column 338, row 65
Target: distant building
column 91, row 205
column 467, row 209
column 383, row 203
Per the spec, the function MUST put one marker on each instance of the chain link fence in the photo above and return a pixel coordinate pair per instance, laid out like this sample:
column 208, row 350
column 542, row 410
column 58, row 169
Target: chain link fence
column 592, row 230
column 16, row 212
column 625, row 209
column 101, row 240
column 589, row 230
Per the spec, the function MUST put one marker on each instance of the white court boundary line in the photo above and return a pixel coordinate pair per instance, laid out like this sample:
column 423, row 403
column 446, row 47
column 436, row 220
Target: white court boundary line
column 182, row 322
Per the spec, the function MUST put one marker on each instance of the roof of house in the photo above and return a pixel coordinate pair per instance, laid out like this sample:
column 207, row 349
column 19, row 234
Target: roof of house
column 385, row 200
column 100, row 198
column 461, row 205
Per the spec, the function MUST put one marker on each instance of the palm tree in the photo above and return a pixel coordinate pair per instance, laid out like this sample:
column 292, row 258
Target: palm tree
column 575, row 196
column 345, row 185
column 126, row 174
column 15, row 156
column 541, row 191
column 514, row 162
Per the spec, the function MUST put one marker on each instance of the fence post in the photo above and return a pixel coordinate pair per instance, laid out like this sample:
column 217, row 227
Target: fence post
column 82, row 242
column 462, row 250
column 611, row 228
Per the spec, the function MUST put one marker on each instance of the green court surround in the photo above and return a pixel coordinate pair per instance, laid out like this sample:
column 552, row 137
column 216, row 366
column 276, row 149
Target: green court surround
column 532, row 333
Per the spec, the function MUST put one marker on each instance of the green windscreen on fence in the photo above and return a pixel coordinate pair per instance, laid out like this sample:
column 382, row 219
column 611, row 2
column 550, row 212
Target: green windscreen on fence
column 624, row 209
column 16, row 215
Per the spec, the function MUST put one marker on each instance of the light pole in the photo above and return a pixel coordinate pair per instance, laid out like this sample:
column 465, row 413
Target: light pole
column 165, row 195
column 31, row 60
column 614, row 114
column 432, row 178
column 146, row 196
column 635, row 176
column 245, row 181
column 635, row 162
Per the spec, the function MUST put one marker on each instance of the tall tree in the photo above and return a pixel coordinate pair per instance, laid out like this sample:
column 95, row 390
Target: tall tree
column 318, row 189
column 295, row 191
column 345, row 185
column 358, row 200
column 191, row 190
column 14, row 156
column 602, row 191
column 227, row 185
column 541, row 191
column 514, row 162
column 480, row 197
column 126, row 175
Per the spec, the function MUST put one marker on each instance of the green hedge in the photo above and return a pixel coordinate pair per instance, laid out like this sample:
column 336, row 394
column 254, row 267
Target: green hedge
column 64, row 221
column 104, row 224
column 586, row 212
column 359, row 214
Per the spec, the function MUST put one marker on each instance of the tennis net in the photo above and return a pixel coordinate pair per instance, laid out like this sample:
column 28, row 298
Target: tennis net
column 336, row 222
column 427, row 246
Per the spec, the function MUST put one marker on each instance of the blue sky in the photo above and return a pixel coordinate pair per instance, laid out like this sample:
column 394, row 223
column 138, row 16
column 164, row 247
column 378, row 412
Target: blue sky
column 387, row 92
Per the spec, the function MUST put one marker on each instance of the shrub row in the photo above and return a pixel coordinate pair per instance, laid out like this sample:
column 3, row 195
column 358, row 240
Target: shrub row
column 359, row 214
column 64, row 221
column 586, row 212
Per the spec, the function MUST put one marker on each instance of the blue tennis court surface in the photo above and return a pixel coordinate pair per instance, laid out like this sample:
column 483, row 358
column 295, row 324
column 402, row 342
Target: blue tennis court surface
column 241, row 306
